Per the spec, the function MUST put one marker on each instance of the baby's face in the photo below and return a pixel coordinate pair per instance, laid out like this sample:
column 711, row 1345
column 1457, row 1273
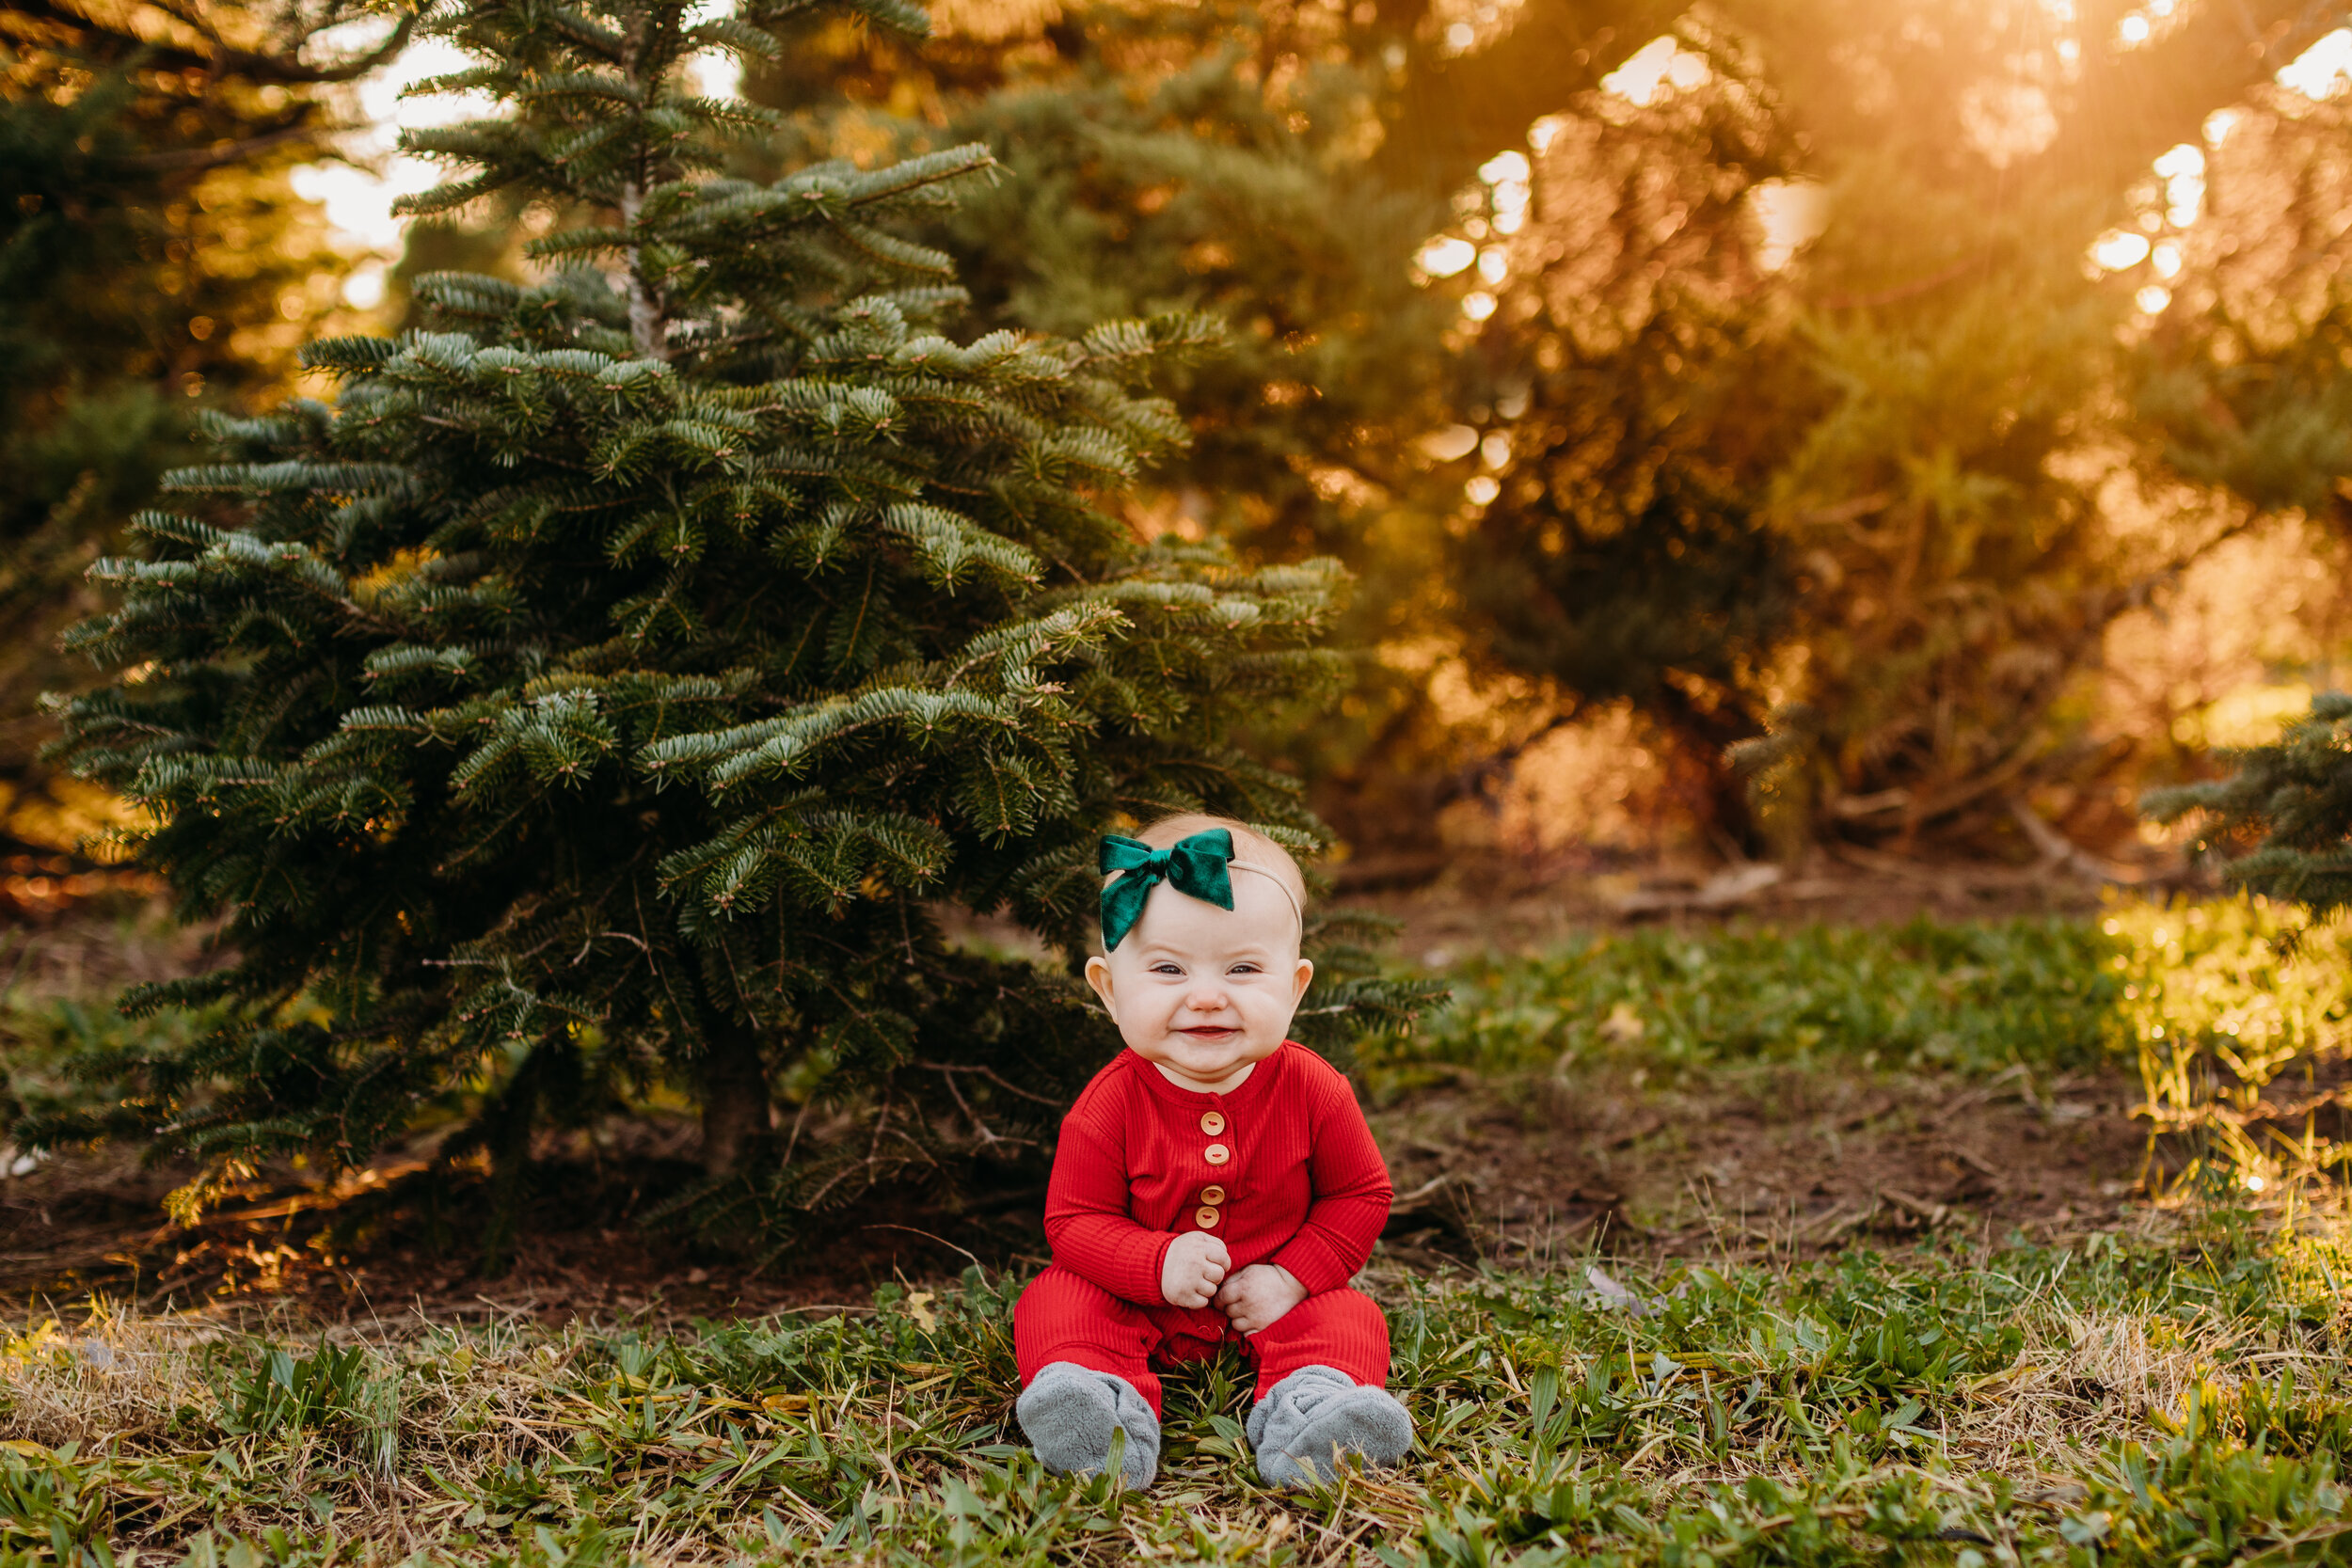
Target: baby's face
column 1204, row 993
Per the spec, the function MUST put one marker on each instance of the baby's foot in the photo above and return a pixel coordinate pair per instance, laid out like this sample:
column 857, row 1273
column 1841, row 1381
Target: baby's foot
column 1070, row 1412
column 1317, row 1414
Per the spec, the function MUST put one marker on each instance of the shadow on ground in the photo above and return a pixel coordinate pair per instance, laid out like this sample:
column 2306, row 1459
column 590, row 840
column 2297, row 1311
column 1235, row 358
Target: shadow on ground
column 1763, row 1159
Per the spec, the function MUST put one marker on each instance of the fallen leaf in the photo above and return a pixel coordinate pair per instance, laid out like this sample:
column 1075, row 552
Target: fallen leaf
column 919, row 1309
column 1612, row 1294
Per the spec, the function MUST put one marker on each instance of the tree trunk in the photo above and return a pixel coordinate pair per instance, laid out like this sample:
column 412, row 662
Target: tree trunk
column 1705, row 733
column 735, row 1093
column 648, row 320
column 507, row 1130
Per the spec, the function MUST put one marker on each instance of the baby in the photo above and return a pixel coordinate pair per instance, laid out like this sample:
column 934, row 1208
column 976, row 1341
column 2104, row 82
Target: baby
column 1215, row 1184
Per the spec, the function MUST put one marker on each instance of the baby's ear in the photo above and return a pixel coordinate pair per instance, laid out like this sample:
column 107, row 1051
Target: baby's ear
column 1301, row 978
column 1099, row 977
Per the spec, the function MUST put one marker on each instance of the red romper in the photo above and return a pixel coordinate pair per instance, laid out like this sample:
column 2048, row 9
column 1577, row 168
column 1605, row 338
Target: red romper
column 1283, row 1169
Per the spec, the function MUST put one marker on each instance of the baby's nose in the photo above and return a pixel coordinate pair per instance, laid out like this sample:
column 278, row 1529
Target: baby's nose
column 1208, row 996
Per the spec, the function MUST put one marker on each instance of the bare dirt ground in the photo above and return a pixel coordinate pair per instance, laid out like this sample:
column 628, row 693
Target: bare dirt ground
column 1764, row 1161
column 1515, row 906
column 1757, row 1159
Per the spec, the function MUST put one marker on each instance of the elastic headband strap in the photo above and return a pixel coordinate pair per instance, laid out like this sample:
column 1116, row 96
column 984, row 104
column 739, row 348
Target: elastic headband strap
column 1276, row 878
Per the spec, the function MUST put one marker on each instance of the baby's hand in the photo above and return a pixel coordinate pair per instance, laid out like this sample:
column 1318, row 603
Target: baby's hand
column 1259, row 1296
column 1195, row 1266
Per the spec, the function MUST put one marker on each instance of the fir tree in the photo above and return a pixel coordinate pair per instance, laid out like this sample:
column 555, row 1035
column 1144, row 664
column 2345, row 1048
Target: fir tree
column 152, row 255
column 2291, row 801
column 1277, row 166
column 617, row 679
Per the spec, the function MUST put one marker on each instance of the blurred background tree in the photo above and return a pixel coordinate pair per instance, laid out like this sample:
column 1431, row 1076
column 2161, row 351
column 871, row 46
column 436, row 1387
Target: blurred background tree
column 2248, row 382
column 1766, row 397
column 1738, row 366
column 154, row 259
column 1828, row 463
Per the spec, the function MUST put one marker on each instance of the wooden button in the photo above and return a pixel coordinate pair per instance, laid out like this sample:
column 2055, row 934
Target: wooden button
column 1212, row 1195
column 1216, row 1155
column 1204, row 1218
column 1212, row 1123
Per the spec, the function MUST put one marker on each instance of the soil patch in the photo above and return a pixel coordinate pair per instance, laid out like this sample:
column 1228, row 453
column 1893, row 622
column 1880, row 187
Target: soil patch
column 1511, row 906
column 406, row 1237
column 1758, row 1160
column 1767, row 1158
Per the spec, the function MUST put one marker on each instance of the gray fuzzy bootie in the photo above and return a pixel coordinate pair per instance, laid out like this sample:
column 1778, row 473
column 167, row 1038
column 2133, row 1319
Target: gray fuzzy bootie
column 1069, row 1413
column 1315, row 1415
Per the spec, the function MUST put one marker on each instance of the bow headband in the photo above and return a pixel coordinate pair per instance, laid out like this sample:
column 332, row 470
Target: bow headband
column 1200, row 865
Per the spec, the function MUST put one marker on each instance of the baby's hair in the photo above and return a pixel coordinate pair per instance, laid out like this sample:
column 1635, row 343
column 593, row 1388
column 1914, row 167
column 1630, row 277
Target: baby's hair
column 1251, row 848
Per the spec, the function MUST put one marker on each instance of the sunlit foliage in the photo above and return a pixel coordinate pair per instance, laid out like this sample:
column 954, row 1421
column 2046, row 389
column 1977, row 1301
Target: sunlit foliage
column 1830, row 434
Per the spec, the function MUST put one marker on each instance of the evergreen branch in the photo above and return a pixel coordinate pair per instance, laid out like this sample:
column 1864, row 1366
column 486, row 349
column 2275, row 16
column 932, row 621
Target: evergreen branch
column 736, row 36
column 891, row 250
column 909, row 175
column 901, row 16
column 563, row 87
column 595, row 37
column 598, row 240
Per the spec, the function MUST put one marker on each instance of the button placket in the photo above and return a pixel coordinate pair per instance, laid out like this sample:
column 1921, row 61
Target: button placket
column 1215, row 1124
column 1207, row 1215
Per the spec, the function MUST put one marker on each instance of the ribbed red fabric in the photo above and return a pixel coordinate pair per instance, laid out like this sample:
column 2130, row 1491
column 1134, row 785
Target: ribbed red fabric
column 1303, row 1186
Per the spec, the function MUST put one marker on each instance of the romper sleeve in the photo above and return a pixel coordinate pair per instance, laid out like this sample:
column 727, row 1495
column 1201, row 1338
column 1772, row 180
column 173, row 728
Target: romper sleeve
column 1351, row 1188
column 1086, row 1222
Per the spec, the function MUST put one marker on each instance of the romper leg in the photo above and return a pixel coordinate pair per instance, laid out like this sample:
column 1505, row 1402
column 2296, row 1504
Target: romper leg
column 1339, row 1328
column 1061, row 1317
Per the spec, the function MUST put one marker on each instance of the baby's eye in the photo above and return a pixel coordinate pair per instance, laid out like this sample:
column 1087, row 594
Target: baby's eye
column 1166, row 968
column 1244, row 966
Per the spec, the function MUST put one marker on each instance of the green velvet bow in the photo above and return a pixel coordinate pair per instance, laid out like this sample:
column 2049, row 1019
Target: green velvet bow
column 1194, row 865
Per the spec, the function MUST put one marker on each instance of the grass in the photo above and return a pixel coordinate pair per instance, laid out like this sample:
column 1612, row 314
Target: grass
column 2170, row 1391
column 2135, row 1400
column 2242, row 987
column 1973, row 997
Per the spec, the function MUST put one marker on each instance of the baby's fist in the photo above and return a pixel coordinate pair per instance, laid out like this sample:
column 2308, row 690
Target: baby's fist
column 1194, row 1268
column 1259, row 1294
